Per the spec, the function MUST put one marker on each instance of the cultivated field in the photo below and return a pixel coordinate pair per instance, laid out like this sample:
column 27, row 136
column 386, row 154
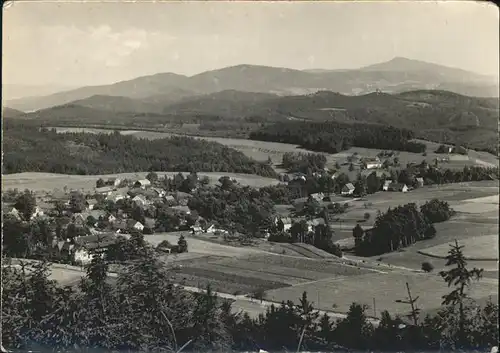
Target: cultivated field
column 480, row 247
column 51, row 181
column 383, row 288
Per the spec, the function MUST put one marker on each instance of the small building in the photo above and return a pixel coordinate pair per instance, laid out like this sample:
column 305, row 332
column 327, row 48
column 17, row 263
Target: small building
column 184, row 210
column 420, row 182
column 142, row 183
column 113, row 182
column 115, row 196
column 159, row 192
column 91, row 203
column 38, row 212
column 299, row 203
column 170, row 200
column 372, row 164
column 319, row 196
column 111, row 218
column 386, row 185
column 347, row 189
column 14, row 213
column 398, row 187
column 105, row 190
column 79, row 219
column 120, row 226
column 132, row 224
column 140, row 200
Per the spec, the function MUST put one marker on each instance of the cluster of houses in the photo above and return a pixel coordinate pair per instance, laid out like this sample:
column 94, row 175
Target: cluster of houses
column 99, row 228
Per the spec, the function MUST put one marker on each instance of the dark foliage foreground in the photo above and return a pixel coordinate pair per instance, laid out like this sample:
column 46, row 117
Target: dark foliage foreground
column 144, row 311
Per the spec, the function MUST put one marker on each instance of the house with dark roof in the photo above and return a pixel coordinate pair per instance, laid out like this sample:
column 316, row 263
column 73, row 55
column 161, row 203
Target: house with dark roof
column 105, row 190
column 398, row 187
column 347, row 189
column 142, row 183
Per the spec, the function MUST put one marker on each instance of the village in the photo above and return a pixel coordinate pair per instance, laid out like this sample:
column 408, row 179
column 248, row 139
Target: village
column 88, row 222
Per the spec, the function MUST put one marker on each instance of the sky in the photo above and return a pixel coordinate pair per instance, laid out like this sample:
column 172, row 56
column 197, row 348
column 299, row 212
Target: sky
column 74, row 44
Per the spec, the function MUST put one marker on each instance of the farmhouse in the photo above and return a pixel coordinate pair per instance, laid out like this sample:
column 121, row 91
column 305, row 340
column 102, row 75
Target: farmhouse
column 131, row 224
column 142, row 183
column 105, row 190
column 347, row 189
column 91, row 243
column 115, row 196
column 386, row 185
column 372, row 163
column 287, row 223
column 420, row 182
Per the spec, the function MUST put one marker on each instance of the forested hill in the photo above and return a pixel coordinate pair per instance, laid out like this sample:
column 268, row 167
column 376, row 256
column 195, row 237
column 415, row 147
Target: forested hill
column 27, row 148
column 334, row 137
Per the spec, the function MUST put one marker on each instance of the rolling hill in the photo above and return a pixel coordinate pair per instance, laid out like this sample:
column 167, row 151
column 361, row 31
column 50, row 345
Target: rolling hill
column 394, row 76
column 11, row 113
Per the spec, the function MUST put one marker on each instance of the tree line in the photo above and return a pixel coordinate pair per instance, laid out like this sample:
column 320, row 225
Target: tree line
column 29, row 148
column 333, row 137
column 143, row 310
column 401, row 227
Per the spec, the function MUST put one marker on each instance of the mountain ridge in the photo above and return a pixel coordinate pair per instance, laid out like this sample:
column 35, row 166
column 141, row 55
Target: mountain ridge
column 281, row 81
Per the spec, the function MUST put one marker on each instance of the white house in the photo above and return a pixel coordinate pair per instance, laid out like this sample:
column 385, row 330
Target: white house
column 15, row 213
column 372, row 163
column 398, row 187
column 115, row 196
column 420, row 182
column 386, row 185
column 347, row 189
column 138, row 226
column 111, row 218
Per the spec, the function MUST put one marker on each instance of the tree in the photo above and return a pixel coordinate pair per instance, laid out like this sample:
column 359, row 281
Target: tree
column 427, row 266
column 26, row 204
column 373, row 183
column 351, row 167
column 360, row 187
column 100, row 183
column 366, row 216
column 436, row 211
column 152, row 177
column 182, row 244
column 77, row 202
column 460, row 277
column 280, row 226
column 357, row 233
column 60, row 207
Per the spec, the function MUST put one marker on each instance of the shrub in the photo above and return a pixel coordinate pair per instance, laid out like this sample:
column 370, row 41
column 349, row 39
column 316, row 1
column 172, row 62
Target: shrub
column 427, row 266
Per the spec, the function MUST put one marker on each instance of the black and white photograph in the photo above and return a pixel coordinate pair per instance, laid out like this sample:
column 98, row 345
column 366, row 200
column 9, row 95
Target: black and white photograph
column 250, row 176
